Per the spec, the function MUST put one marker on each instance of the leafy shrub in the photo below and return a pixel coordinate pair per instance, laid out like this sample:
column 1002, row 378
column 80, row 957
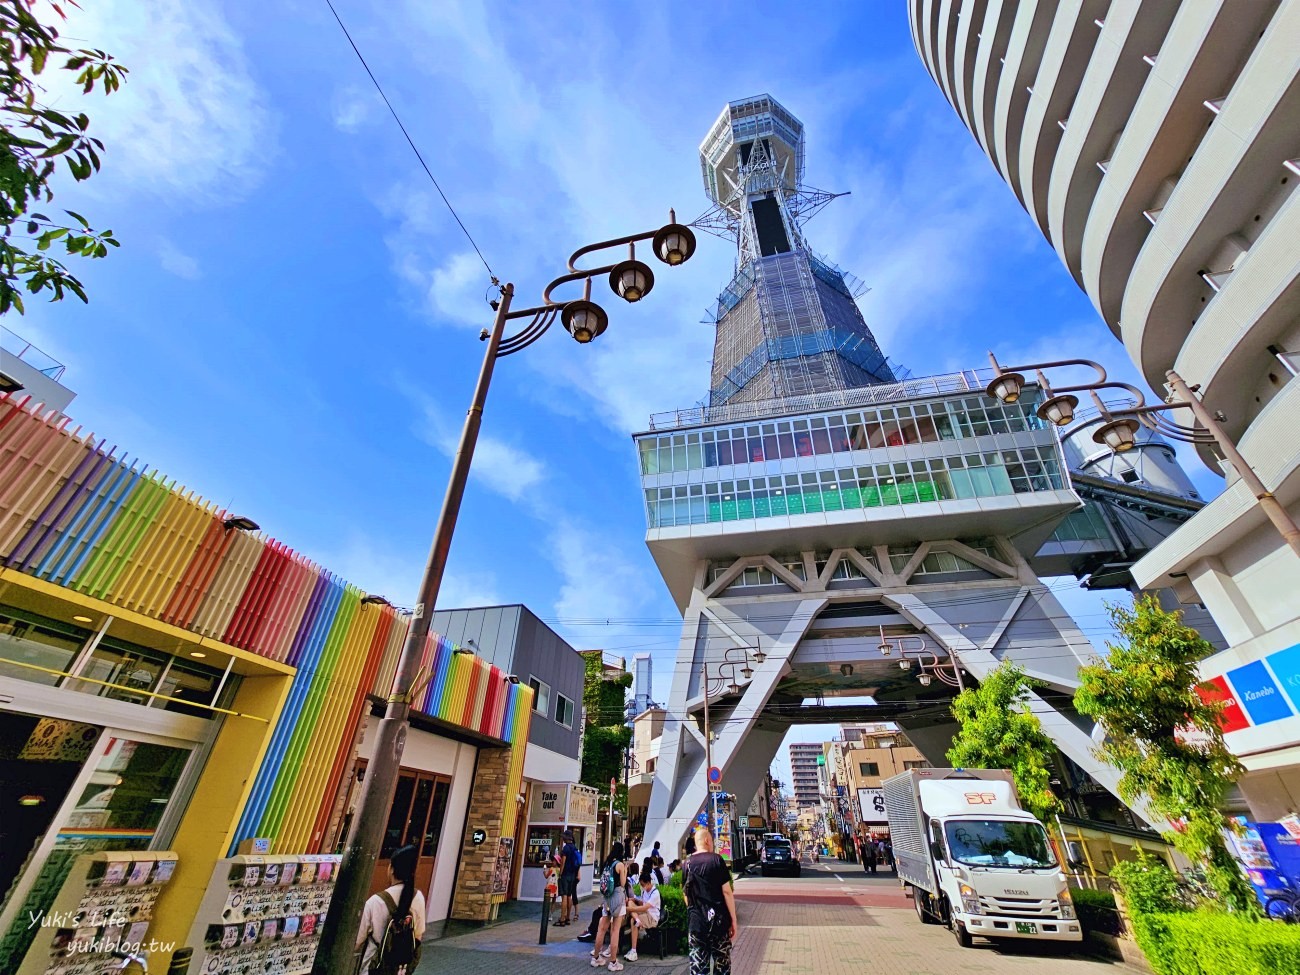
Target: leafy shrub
column 1148, row 886
column 672, row 918
column 1097, row 911
column 1210, row 943
column 675, row 880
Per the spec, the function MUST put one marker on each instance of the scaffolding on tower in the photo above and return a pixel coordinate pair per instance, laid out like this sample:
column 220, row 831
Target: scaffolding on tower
column 788, row 323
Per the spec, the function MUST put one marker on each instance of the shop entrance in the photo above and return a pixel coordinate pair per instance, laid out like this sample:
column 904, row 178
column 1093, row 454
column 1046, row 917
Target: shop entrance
column 71, row 788
column 415, row 819
column 39, row 761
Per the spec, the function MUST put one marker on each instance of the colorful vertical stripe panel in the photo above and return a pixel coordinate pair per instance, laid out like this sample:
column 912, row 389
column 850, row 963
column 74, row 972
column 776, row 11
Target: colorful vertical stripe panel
column 93, row 520
column 466, row 690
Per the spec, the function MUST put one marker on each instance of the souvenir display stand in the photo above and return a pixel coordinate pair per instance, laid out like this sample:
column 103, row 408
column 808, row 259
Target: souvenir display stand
column 263, row 914
column 104, row 906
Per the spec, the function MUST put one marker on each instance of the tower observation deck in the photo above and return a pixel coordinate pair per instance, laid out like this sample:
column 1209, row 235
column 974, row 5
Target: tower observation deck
column 787, row 324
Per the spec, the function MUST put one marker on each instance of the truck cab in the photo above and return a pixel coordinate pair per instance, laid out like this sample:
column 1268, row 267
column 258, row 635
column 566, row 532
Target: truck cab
column 978, row 862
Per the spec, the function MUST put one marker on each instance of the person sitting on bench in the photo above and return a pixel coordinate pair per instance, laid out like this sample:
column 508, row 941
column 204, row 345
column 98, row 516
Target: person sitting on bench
column 644, row 909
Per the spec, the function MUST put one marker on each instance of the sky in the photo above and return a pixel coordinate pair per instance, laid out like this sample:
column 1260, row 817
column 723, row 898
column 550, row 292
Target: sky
column 290, row 327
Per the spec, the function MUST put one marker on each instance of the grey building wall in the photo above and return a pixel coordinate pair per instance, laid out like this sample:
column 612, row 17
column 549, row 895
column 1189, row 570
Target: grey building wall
column 514, row 639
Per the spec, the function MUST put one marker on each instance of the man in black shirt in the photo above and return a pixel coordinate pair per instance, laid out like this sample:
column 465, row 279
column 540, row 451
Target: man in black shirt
column 710, row 907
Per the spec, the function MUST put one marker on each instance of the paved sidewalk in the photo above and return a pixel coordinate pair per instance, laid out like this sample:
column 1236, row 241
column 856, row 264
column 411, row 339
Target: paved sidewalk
column 511, row 946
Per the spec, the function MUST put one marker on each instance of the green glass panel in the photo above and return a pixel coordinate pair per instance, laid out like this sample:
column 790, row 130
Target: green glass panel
column 852, row 497
column 762, row 507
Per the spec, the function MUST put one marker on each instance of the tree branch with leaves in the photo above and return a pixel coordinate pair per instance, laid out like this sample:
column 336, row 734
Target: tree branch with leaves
column 1163, row 732
column 34, row 137
column 998, row 729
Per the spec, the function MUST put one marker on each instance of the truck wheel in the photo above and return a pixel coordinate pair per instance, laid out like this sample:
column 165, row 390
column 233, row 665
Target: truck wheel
column 959, row 932
column 918, row 901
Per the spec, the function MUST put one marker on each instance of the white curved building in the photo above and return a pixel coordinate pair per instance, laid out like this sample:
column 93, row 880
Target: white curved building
column 1157, row 147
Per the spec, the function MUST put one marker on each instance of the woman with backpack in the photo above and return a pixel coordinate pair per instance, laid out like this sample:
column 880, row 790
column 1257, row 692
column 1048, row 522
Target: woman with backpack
column 612, row 887
column 392, row 923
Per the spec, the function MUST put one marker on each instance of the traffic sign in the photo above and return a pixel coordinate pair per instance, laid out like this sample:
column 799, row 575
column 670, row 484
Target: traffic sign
column 715, row 775
column 613, row 787
column 715, row 786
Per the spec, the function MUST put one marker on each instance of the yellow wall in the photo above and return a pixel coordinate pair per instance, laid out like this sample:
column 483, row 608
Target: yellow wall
column 209, row 823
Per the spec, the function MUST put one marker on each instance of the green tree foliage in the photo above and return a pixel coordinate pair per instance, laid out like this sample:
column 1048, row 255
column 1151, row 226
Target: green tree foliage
column 33, row 138
column 606, row 737
column 998, row 730
column 1165, row 737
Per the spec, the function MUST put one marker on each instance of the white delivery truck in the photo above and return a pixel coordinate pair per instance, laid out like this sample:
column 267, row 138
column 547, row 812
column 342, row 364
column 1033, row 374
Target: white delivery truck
column 975, row 860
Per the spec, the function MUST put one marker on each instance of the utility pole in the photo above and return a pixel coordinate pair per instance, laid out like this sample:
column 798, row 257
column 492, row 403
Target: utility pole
column 708, row 744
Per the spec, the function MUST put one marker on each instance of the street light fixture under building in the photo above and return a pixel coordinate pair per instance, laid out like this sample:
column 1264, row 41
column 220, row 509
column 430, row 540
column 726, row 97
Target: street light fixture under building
column 584, row 320
column 1119, row 427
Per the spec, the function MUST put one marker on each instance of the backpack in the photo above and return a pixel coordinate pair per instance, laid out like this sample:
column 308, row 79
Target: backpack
column 609, row 880
column 399, row 949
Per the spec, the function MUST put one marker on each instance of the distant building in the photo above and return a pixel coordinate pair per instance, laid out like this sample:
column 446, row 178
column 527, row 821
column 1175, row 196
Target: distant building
column 642, row 680
column 805, row 759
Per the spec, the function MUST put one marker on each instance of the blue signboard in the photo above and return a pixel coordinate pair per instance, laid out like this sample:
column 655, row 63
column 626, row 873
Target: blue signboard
column 1286, row 664
column 1259, row 693
column 702, row 819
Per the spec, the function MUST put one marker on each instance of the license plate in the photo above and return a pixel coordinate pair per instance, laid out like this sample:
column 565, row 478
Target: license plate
column 1025, row 927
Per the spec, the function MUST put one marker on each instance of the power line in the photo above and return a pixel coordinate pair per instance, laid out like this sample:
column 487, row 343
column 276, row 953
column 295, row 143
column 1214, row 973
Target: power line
column 410, row 141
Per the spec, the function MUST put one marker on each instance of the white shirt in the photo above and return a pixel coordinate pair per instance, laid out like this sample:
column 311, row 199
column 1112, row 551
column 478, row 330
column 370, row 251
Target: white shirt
column 374, row 921
column 653, row 903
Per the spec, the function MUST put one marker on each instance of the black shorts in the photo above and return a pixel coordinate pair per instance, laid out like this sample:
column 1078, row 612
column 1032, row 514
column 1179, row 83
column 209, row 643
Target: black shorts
column 568, row 884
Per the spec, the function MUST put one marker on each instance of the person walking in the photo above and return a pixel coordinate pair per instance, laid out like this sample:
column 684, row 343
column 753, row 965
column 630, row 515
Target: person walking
column 710, row 907
column 570, row 861
column 393, row 920
column 868, row 855
column 613, row 888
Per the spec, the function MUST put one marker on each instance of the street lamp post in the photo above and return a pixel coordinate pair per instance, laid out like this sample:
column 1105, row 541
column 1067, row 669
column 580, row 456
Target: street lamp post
column 1119, row 427
column 734, row 667
column 631, row 280
column 949, row 673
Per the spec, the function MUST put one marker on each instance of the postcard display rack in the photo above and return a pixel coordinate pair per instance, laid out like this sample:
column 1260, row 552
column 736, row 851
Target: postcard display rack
column 104, row 906
column 263, row 914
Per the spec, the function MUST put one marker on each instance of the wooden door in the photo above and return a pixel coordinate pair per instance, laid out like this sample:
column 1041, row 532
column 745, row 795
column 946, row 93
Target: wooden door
column 415, row 819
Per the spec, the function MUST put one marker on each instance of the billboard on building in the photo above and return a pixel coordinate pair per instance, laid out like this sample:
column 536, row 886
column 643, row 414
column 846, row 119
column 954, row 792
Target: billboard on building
column 871, row 803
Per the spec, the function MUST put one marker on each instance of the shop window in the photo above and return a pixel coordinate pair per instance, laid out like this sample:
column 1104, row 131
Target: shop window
column 30, row 649
column 133, row 670
column 563, row 710
column 541, row 695
column 194, row 684
column 543, row 843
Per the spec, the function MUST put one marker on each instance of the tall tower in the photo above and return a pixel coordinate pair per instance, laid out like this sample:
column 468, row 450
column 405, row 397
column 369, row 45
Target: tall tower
column 787, row 324
column 843, row 546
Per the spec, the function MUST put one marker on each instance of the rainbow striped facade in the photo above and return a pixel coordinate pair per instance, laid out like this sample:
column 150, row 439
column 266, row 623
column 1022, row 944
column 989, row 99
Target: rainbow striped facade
column 93, row 521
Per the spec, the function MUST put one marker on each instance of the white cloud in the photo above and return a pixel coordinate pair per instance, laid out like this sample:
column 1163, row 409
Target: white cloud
column 353, row 106
column 376, row 568
column 177, row 262
column 190, row 121
column 504, row 468
column 598, row 580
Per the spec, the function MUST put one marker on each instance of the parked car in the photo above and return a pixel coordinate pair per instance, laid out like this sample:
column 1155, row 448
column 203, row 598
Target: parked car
column 778, row 856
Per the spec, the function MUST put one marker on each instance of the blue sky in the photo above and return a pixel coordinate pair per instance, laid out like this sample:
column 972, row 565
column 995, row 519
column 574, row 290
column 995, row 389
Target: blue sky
column 290, row 327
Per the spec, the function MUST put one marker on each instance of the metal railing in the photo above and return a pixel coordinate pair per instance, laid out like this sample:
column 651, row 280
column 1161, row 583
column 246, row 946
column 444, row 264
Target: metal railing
column 969, row 380
column 17, row 346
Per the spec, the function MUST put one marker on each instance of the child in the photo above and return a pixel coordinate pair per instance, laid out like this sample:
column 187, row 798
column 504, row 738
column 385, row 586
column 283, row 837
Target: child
column 551, row 881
